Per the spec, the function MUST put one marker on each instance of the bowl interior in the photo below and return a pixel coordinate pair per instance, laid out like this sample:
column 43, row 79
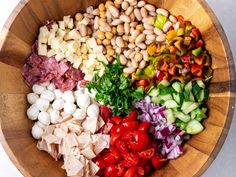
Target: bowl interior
column 17, row 38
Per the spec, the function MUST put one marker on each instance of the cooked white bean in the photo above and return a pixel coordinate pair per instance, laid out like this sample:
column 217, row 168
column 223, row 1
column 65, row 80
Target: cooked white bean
column 166, row 26
column 158, row 31
column 44, row 118
column 131, row 45
column 125, row 18
column 129, row 70
column 58, row 104
column 96, row 23
column 177, row 25
column 114, row 11
column 150, row 7
column 148, row 42
column 129, row 10
column 96, row 12
column 150, row 37
column 145, row 55
column 124, row 5
column 38, row 88
column 105, row 27
column 120, row 42
column 161, row 38
column 118, row 50
column 82, row 29
column 134, row 63
column 138, row 57
column 137, row 49
column 141, row 3
column 140, row 39
column 144, row 12
column 113, row 41
column 42, row 104
column 147, row 26
column 162, row 11
column 142, row 46
column 123, row 60
column 172, row 18
column 148, row 32
column 133, row 24
column 32, row 97
column 116, row 22
column 126, row 28
column 153, row 14
column 129, row 64
column 142, row 64
column 89, row 9
column 32, row 112
column 137, row 14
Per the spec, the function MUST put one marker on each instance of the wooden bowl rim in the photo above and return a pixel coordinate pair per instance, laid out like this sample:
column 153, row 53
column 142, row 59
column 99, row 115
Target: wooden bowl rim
column 232, row 87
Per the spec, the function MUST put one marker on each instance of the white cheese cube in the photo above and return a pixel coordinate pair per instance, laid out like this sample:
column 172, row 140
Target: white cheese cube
column 51, row 37
column 42, row 49
column 73, row 34
column 60, row 33
column 70, row 24
column 51, row 53
column 62, row 25
column 42, row 39
column 66, row 20
column 42, row 104
column 48, row 95
column 102, row 57
column 43, row 34
column 55, row 27
column 63, row 46
column 55, row 43
column 73, row 46
column 90, row 124
column 32, row 97
column 85, row 21
column 77, row 63
column 91, row 43
column 60, row 56
column 68, row 96
column 88, row 153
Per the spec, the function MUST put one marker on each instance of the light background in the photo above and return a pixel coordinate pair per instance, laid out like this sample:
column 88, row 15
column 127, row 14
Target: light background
column 225, row 163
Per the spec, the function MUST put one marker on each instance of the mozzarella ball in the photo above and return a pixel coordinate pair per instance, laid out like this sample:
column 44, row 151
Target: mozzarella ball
column 68, row 96
column 54, row 116
column 69, row 108
column 42, row 104
column 41, row 125
column 77, row 93
column 32, row 112
column 58, row 93
column 50, row 109
column 93, row 110
column 58, row 104
column 83, row 101
column 51, row 87
column 45, row 84
column 37, row 131
column 44, row 118
column 79, row 114
column 38, row 88
column 32, row 97
column 48, row 95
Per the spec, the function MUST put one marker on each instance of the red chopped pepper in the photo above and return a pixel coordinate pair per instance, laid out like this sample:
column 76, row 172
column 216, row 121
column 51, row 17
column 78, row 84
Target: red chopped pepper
column 172, row 70
column 143, row 83
column 196, row 70
column 160, row 75
column 164, row 67
column 200, row 60
column 196, row 33
column 180, row 18
column 199, row 43
column 185, row 58
column 166, row 76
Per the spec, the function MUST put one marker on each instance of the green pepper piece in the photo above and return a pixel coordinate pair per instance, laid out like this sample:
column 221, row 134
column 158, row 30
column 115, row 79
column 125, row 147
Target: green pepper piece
column 197, row 51
column 149, row 70
column 160, row 21
column 180, row 32
column 188, row 29
column 138, row 72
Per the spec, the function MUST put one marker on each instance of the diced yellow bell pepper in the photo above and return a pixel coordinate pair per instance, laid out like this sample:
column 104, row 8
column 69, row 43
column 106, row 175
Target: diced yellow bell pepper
column 171, row 34
column 151, row 49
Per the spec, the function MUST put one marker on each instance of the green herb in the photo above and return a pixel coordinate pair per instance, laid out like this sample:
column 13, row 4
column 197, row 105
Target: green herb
column 114, row 89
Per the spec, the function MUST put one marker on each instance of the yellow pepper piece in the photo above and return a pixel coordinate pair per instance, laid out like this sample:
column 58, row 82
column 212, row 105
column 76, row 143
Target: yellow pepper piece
column 171, row 34
column 151, row 49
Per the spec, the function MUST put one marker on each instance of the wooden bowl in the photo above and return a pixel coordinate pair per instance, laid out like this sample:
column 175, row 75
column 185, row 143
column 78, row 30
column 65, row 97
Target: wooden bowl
column 17, row 37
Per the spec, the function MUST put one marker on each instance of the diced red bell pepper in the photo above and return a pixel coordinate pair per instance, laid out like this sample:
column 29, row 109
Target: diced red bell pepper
column 195, row 33
column 180, row 18
column 196, row 70
column 173, row 49
column 199, row 43
column 172, row 70
column 166, row 76
column 186, row 58
column 159, row 75
column 143, row 83
column 187, row 23
column 200, row 60
column 164, row 67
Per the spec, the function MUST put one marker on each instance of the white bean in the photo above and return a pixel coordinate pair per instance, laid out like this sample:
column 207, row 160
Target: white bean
column 137, row 14
column 148, row 32
column 133, row 24
column 142, row 64
column 58, row 104
column 123, row 60
column 96, row 23
column 126, row 28
column 131, row 45
column 96, row 12
column 153, row 14
column 114, row 11
column 129, row 70
column 89, row 9
column 32, row 97
column 32, row 112
column 124, row 5
column 134, row 63
column 158, row 31
column 68, row 96
column 144, row 12
column 142, row 46
column 150, row 37
column 148, row 42
column 69, row 108
column 38, row 88
column 93, row 111
column 150, row 7
column 177, row 25
column 162, row 11
column 116, row 22
column 145, row 55
column 166, row 26
column 137, row 49
column 172, row 18
column 42, row 104
column 147, row 26
column 120, row 42
column 44, row 118
column 141, row 3
column 135, row 33
column 37, row 132
column 83, row 30
column 132, row 54
column 125, row 18
column 129, row 10
column 129, row 64
column 48, row 95
column 161, row 38
column 138, row 57
column 140, row 39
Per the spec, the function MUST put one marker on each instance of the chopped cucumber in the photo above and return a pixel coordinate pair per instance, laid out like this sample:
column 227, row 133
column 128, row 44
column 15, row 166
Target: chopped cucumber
column 154, row 92
column 190, row 108
column 168, row 90
column 201, row 84
column 196, row 89
column 171, row 104
column 204, row 110
column 188, row 86
column 179, row 123
column 203, row 95
column 191, row 97
column 169, row 116
column 177, row 87
column 178, row 97
column 155, row 99
column 165, row 97
column 194, row 127
column 182, row 116
column 163, row 84
column 186, row 104
column 193, row 114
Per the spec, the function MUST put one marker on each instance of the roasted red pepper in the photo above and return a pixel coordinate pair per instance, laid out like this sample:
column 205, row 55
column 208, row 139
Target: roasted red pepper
column 172, row 70
column 199, row 43
column 196, row 70
column 200, row 60
column 195, row 33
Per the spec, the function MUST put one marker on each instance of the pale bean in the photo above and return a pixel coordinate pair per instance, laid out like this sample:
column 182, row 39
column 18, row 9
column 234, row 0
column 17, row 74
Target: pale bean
column 104, row 27
column 116, row 22
column 127, row 53
column 118, row 50
column 138, row 57
column 140, row 39
column 161, row 38
column 78, row 17
column 150, row 7
column 140, row 27
column 151, row 20
column 142, row 46
column 144, row 12
column 131, row 45
column 137, row 14
column 96, row 12
column 142, row 64
column 82, row 30
column 132, row 2
column 147, row 26
column 132, row 17
column 162, row 11
column 158, row 31
column 123, row 60
column 108, row 15
column 150, row 37
column 133, row 24
column 129, row 64
column 113, row 41
column 131, row 39
column 118, row 1
column 153, row 14
column 135, row 33
column 125, row 38
column 177, row 25
column 129, row 70
column 148, row 32
column 134, row 63
column 120, row 42
column 172, row 18
column 124, row 5
column 120, row 29
column 141, row 3
column 114, row 11
column 132, row 54
column 125, row 18
column 127, row 28
column 89, row 10
column 131, row 30
column 148, row 42
column 96, row 24
column 137, row 49
column 145, row 55
column 129, row 10
column 166, row 26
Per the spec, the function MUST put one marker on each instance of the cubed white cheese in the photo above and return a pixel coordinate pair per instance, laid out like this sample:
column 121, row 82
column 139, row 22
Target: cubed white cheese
column 61, row 32
column 84, row 138
column 63, row 46
column 55, row 26
column 90, row 124
column 43, row 34
column 68, row 96
column 73, row 46
column 51, row 36
column 73, row 34
column 77, row 63
column 91, row 42
column 62, row 25
column 102, row 57
column 56, row 42
column 42, row 49
column 51, row 53
column 70, row 24
column 60, row 56
column 66, row 20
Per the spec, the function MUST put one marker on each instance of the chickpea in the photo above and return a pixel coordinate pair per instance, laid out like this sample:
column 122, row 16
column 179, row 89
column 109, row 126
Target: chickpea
column 151, row 20
column 108, row 3
column 102, row 14
column 99, row 41
column 113, row 30
column 106, row 42
column 101, row 35
column 78, row 17
column 101, row 7
column 109, row 35
column 109, row 58
column 111, row 51
column 140, row 27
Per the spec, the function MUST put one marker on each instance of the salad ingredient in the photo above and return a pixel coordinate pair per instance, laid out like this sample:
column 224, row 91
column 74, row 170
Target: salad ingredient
column 114, row 89
column 37, row 131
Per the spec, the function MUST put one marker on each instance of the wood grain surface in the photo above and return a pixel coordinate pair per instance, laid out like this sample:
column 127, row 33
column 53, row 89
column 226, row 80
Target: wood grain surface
column 16, row 40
